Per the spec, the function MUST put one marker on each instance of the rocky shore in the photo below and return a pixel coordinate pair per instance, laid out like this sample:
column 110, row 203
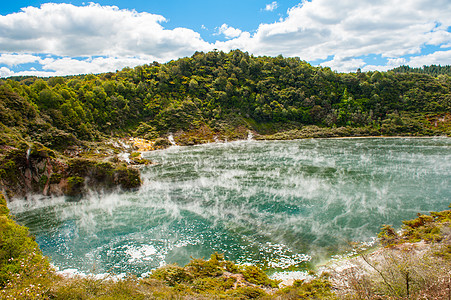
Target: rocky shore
column 35, row 169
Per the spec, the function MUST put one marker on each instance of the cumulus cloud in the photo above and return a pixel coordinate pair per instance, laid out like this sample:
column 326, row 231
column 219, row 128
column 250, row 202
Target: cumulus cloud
column 94, row 30
column 68, row 65
column 34, row 73
column 315, row 30
column 271, row 6
column 347, row 64
column 5, row 72
column 228, row 31
column 435, row 58
column 18, row 59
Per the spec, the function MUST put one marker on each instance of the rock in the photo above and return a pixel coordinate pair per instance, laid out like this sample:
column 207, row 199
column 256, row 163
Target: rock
column 36, row 169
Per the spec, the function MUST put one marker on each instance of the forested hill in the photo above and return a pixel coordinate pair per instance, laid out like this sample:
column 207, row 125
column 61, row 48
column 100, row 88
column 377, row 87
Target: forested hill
column 433, row 70
column 220, row 93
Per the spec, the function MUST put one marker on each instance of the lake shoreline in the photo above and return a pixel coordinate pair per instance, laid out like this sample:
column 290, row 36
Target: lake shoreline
column 259, row 138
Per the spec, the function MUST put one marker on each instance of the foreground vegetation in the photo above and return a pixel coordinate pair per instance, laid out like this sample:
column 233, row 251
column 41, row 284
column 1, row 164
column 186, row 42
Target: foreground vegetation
column 414, row 264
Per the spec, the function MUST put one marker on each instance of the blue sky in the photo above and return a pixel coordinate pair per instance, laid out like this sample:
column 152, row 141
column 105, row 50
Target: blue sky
column 62, row 38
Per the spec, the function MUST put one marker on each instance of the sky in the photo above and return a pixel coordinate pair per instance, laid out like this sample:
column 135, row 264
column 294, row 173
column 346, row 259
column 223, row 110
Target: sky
column 75, row 37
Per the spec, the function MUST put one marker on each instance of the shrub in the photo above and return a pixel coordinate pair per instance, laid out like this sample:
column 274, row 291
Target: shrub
column 403, row 272
column 388, row 235
column 172, row 275
column 429, row 228
column 74, row 186
column 127, row 177
column 213, row 285
column 204, row 268
column 247, row 292
column 318, row 288
column 103, row 171
column 80, row 167
column 161, row 143
column 256, row 275
column 134, row 154
column 4, row 211
column 24, row 272
column 408, row 270
column 55, row 178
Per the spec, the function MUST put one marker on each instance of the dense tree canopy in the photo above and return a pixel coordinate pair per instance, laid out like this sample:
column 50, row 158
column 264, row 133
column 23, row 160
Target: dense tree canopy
column 433, row 70
column 217, row 89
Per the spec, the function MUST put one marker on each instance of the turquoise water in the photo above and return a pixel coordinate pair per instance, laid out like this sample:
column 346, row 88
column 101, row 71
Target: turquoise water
column 278, row 204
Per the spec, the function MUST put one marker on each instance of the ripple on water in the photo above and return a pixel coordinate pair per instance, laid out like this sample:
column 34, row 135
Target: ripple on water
column 279, row 204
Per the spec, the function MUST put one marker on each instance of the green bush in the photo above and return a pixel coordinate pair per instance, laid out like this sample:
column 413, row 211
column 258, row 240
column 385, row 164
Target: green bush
column 55, row 178
column 74, row 186
column 425, row 227
column 103, row 172
column 256, row 275
column 24, row 272
column 213, row 285
column 161, row 143
column 172, row 275
column 80, row 167
column 388, row 235
column 247, row 292
column 204, row 268
column 127, row 177
column 4, row 211
column 134, row 154
column 318, row 288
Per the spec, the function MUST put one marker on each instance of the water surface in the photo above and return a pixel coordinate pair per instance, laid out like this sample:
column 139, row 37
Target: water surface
column 277, row 204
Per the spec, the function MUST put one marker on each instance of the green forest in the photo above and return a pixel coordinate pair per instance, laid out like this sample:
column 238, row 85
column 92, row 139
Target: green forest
column 433, row 70
column 223, row 93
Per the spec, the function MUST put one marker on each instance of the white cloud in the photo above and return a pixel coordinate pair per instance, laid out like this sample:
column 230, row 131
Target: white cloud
column 318, row 29
column 364, row 66
column 271, row 6
column 347, row 64
column 18, row 59
column 94, row 30
column 34, row 73
column 396, row 62
column 5, row 72
column 229, row 32
column 71, row 66
column 436, row 58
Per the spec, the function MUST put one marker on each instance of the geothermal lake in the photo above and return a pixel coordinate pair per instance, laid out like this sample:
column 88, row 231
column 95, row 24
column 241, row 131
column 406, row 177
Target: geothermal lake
column 279, row 204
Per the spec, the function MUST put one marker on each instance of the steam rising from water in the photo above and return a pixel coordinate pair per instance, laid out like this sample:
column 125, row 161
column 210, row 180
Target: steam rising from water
column 277, row 204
